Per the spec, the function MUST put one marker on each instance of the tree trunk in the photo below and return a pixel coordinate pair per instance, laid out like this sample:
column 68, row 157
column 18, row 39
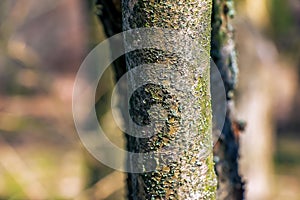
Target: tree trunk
column 226, row 151
column 188, row 175
column 146, row 185
column 259, row 64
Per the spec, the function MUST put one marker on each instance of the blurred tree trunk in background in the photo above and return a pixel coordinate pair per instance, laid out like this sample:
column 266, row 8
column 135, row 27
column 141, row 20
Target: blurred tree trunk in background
column 267, row 88
column 226, row 151
column 255, row 103
column 255, row 106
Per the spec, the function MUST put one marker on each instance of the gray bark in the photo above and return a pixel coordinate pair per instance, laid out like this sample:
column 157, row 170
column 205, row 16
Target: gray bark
column 187, row 175
column 145, row 186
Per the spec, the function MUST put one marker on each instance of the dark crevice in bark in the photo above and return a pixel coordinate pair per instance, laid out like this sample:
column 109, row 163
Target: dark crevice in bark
column 109, row 13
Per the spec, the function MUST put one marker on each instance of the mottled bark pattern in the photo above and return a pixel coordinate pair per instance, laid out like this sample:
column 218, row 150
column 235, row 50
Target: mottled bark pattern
column 230, row 185
column 187, row 176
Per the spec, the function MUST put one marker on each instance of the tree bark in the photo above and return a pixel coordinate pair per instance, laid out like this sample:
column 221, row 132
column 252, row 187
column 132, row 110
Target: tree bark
column 188, row 175
column 145, row 186
column 226, row 151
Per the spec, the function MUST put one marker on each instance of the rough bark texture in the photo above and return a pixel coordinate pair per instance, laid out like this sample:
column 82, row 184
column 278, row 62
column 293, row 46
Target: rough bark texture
column 226, row 151
column 222, row 50
column 187, row 176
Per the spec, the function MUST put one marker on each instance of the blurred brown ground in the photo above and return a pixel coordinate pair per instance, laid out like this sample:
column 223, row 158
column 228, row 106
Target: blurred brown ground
column 42, row 45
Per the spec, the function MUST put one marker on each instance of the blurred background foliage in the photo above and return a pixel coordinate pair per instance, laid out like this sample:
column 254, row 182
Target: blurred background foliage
column 42, row 44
